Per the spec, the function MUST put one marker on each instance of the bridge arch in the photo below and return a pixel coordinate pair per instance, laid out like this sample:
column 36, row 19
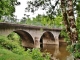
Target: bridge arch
column 26, row 39
column 47, row 38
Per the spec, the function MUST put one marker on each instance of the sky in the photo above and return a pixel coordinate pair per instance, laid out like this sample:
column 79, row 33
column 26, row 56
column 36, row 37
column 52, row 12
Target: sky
column 20, row 10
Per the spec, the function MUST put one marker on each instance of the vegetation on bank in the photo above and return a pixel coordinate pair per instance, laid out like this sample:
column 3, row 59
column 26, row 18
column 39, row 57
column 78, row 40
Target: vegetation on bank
column 12, row 50
column 35, row 54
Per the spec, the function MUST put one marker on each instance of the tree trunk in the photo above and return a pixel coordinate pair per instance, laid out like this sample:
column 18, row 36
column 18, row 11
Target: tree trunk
column 72, row 23
column 65, row 18
column 69, row 20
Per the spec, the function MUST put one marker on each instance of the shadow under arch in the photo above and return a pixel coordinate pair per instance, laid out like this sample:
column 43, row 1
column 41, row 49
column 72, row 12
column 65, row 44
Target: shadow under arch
column 61, row 38
column 26, row 39
column 46, row 38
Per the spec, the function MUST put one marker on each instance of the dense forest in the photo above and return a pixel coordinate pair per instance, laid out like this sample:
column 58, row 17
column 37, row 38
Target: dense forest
column 63, row 14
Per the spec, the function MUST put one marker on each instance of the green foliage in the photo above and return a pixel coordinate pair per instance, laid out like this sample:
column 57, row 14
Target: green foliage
column 43, row 20
column 78, row 27
column 14, row 36
column 66, row 36
column 75, row 49
column 9, row 49
column 35, row 54
column 77, row 45
column 11, row 45
column 7, row 8
column 58, row 22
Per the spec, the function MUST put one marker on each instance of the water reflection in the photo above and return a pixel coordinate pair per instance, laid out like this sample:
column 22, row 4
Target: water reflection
column 58, row 52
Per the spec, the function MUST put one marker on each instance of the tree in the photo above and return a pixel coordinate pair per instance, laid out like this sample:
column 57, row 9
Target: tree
column 46, row 5
column 68, row 15
column 72, row 25
column 7, row 7
column 69, row 20
column 52, row 11
column 67, row 7
column 43, row 20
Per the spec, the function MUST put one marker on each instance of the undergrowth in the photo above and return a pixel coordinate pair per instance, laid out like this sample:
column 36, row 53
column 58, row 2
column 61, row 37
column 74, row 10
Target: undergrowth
column 12, row 50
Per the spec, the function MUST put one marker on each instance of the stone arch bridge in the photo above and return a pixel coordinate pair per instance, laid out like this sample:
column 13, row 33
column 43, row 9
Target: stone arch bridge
column 32, row 36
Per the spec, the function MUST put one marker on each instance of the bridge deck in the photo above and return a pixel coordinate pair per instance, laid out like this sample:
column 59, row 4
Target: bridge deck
column 24, row 26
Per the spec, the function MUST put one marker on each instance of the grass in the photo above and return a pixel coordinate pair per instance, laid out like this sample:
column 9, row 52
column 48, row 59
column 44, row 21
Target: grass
column 9, row 55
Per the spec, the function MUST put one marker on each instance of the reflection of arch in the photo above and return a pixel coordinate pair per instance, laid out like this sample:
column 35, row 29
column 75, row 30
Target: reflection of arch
column 46, row 38
column 27, row 40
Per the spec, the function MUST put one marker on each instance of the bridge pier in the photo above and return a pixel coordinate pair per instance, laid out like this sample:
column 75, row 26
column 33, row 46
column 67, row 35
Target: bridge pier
column 37, row 43
column 56, row 40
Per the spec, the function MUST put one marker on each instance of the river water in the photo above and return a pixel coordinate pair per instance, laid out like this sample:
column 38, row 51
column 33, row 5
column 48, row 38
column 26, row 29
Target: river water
column 58, row 52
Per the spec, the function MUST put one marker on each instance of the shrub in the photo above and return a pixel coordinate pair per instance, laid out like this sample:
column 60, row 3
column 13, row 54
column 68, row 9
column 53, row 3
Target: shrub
column 37, row 55
column 16, row 48
column 11, row 45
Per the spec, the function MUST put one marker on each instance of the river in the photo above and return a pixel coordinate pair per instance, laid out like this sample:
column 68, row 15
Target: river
column 58, row 52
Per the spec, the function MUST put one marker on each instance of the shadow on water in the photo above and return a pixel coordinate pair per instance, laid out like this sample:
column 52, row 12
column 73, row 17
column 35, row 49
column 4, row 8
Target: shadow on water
column 58, row 52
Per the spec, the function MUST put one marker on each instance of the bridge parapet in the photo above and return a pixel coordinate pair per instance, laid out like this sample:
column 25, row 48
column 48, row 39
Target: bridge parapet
column 23, row 26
